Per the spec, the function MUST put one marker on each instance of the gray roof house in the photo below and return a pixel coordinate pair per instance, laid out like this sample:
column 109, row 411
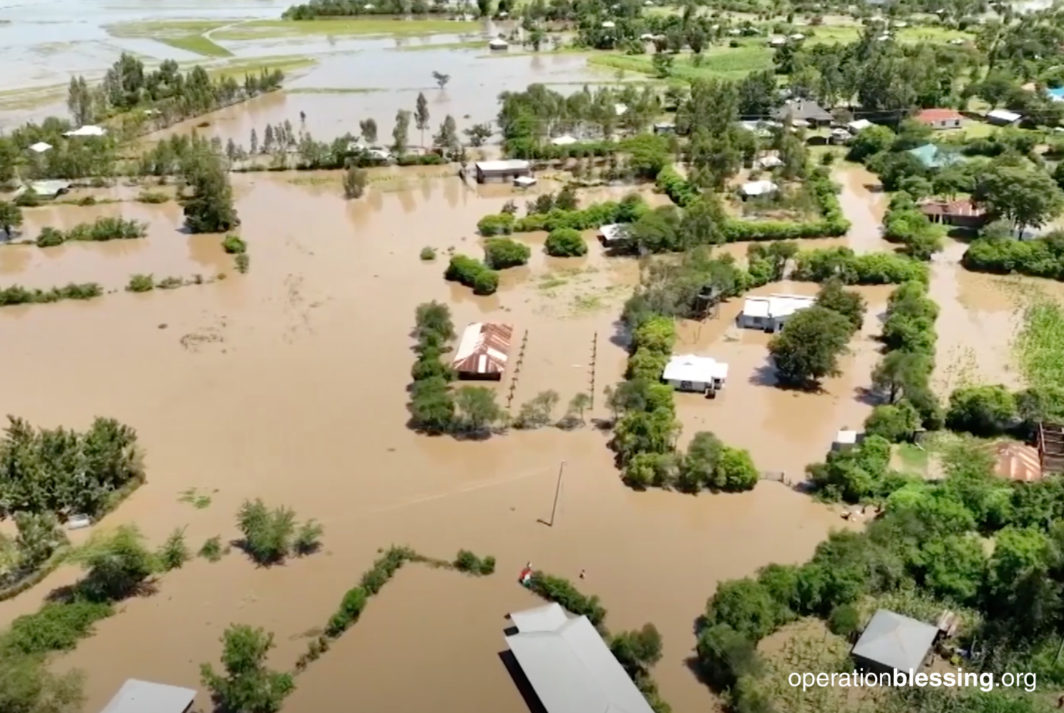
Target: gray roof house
column 892, row 641
column 805, row 110
column 569, row 666
column 146, row 697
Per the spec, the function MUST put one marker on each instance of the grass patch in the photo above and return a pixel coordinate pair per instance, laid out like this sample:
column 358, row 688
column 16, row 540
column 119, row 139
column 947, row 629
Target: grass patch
column 196, row 499
column 31, row 97
column 912, row 458
column 334, row 90
column 721, row 62
column 284, row 63
column 1040, row 344
column 268, row 29
column 184, row 35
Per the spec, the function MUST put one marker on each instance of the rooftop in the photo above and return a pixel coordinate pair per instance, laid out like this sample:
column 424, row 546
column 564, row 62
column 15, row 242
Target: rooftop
column 145, row 697
column 933, row 116
column 804, row 109
column 776, row 305
column 688, row 367
column 513, row 164
column 613, row 232
column 895, row 641
column 758, row 188
column 484, row 348
column 569, row 666
column 1004, row 115
column 860, row 124
column 956, row 209
column 1017, row 462
column 87, row 130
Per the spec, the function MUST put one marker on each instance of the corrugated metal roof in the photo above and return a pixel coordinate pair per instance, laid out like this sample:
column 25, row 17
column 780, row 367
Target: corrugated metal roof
column 895, row 641
column 145, row 697
column 544, row 618
column 514, row 164
column 689, row 367
column 957, row 209
column 1018, row 462
column 573, row 671
column 932, row 116
column 484, row 348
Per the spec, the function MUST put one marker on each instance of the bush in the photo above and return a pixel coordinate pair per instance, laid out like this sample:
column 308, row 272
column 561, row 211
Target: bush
column 351, row 607
column 212, row 550
column 152, row 197
column 50, row 237
column 234, row 245
column 428, row 254
column 472, row 273
column 566, row 242
column 1041, row 257
column 270, row 535
column 496, row 224
column 141, row 283
column 56, row 627
column 844, row 620
column 562, row 591
column 468, row 562
column 822, row 264
column 501, row 253
column 242, row 262
column 982, row 410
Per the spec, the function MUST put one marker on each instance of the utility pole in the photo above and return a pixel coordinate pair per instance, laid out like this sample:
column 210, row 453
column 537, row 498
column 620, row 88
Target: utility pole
column 557, row 493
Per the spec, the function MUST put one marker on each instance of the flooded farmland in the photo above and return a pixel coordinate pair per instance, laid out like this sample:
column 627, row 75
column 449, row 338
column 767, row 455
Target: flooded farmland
column 289, row 384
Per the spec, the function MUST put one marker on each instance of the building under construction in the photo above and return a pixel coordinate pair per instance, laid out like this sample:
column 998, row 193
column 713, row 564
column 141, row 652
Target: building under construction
column 1051, row 447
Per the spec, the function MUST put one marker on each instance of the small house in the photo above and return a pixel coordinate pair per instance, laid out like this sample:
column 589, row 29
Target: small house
column 40, row 147
column 960, row 214
column 756, row 189
column 859, row 125
column 507, row 169
column 894, row 642
column 1003, row 117
column 694, row 373
column 807, row 110
column 483, row 351
column 939, row 119
column 498, row 45
column 141, row 696
column 87, row 130
column 772, row 312
column 612, row 234
column 563, row 140
column 620, row 109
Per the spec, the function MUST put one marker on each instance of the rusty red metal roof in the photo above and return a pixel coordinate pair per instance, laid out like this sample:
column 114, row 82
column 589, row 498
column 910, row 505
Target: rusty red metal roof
column 1018, row 462
column 955, row 209
column 484, row 348
column 931, row 116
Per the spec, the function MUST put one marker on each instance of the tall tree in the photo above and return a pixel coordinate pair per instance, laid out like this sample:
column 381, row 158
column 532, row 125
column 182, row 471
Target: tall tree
column 10, row 217
column 1024, row 195
column 368, row 129
column 247, row 685
column 210, row 208
column 401, row 132
column 447, row 138
column 80, row 101
column 809, row 347
column 421, row 115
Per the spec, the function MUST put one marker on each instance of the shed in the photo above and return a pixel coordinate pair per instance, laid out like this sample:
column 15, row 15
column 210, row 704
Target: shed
column 688, row 372
column 755, row 189
column 1051, row 447
column 498, row 44
column 1003, row 117
column 803, row 110
column 87, row 130
column 506, row 169
column 859, row 125
column 894, row 642
column 568, row 666
column 612, row 234
column 846, row 438
column 564, row 140
column 940, row 118
column 769, row 162
column 1017, row 462
column 145, row 697
column 40, row 147
column 483, row 351
column 771, row 313
column 962, row 214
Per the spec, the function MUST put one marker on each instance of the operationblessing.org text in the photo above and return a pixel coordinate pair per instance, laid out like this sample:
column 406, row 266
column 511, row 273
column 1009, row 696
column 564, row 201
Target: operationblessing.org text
column 950, row 679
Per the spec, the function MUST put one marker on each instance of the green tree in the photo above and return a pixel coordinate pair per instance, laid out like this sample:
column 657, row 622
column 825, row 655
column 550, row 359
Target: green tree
column 663, row 62
column 247, row 685
column 39, row 535
column 637, row 651
column 478, row 409
column 844, row 620
column 565, row 242
column 745, row 606
column 953, row 567
column 895, row 422
column 27, row 686
column 539, row 411
column 1026, row 196
column 355, row 180
column 267, row 533
column 401, row 132
column 117, row 566
column 869, row 142
column 447, row 138
column 432, row 405
column 10, row 217
column 809, row 346
column 174, row 553
column 735, row 471
column 421, row 115
column 850, row 305
column 502, row 253
column 982, row 410
column 441, row 79
column 699, row 465
column 900, row 373
column 580, row 403
column 725, row 656
column 479, row 133
column 210, row 207
column 368, row 129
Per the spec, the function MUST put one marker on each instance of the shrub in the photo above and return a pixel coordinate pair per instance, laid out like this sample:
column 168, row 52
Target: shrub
column 308, row 538
column 844, row 620
column 496, row 224
column 822, row 264
column 472, row 273
column 501, row 253
column 351, row 607
column 1041, row 257
column 566, row 242
column 428, row 254
column 267, row 533
column 234, row 245
column 50, row 237
column 174, row 552
column 170, row 283
column 56, row 627
column 152, row 197
column 212, row 549
column 468, row 562
column 141, row 283
column 562, row 591
column 243, row 262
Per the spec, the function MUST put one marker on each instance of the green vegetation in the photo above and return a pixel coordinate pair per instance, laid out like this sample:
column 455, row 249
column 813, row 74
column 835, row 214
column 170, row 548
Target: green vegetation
column 212, row 549
column 234, row 245
column 503, row 253
column 565, row 242
column 209, row 208
column 472, row 273
column 18, row 295
column 427, row 254
column 185, row 35
column 1041, row 343
column 269, row 29
column 141, row 283
column 469, row 563
column 721, row 62
column 270, row 536
column 154, row 197
column 1003, row 254
column 102, row 230
column 247, row 684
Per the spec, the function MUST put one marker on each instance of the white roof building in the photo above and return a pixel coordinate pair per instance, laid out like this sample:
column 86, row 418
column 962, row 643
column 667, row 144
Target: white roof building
column 695, row 370
column 524, row 181
column 775, row 306
column 758, row 188
column 612, row 233
column 769, row 162
column 777, row 41
column 564, row 140
column 504, row 165
column 859, row 125
column 137, row 696
column 609, row 25
column 1003, row 116
column 40, row 147
column 498, row 44
column 87, row 130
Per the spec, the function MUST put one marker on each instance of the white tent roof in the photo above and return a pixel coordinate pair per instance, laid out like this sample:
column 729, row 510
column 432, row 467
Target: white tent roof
column 565, row 140
column 87, row 130
column 1004, row 115
column 40, row 147
column 759, row 188
column 688, row 367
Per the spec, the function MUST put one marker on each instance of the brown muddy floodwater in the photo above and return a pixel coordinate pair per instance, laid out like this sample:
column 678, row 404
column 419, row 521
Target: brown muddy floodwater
column 288, row 384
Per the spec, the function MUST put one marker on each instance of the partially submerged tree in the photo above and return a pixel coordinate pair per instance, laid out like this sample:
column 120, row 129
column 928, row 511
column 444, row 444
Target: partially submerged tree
column 355, row 180
column 246, row 685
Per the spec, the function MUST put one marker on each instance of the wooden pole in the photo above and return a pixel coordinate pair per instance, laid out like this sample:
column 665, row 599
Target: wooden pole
column 557, row 493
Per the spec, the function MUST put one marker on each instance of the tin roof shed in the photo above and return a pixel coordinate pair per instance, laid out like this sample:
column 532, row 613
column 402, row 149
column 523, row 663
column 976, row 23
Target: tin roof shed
column 483, row 350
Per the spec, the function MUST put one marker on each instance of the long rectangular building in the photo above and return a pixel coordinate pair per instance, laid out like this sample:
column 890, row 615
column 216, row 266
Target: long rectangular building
column 483, row 351
column 569, row 666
